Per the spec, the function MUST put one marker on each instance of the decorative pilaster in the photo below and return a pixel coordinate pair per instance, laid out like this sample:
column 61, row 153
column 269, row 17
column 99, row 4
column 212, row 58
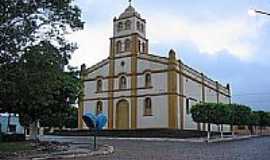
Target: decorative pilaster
column 81, row 97
column 181, row 98
column 230, row 94
column 111, row 84
column 172, row 89
column 203, row 97
column 147, row 47
column 217, row 88
column 134, row 99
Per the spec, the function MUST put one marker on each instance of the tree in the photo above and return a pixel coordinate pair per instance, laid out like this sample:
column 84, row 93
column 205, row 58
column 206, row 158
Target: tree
column 8, row 91
column 45, row 98
column 268, row 124
column 67, row 119
column 40, row 84
column 33, row 53
column 239, row 115
column 24, row 23
column 204, row 113
column 263, row 119
column 221, row 112
column 72, row 121
column 71, row 91
column 253, row 121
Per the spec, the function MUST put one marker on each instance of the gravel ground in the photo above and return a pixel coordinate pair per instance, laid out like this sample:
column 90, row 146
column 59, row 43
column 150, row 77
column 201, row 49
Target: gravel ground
column 251, row 149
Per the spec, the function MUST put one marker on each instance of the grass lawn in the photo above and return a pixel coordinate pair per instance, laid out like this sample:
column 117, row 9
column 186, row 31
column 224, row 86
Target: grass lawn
column 14, row 146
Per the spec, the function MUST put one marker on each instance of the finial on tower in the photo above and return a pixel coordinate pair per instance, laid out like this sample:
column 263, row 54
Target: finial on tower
column 129, row 2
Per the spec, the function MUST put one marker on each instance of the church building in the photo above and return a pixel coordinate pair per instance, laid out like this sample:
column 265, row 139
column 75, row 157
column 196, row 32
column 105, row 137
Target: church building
column 137, row 89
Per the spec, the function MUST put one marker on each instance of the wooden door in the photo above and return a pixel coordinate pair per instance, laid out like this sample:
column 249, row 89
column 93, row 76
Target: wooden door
column 122, row 115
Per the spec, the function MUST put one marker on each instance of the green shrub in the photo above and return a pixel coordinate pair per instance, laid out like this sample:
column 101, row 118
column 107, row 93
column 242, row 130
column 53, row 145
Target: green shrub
column 12, row 137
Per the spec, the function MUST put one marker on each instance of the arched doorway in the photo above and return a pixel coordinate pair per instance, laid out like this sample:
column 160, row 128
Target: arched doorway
column 122, row 115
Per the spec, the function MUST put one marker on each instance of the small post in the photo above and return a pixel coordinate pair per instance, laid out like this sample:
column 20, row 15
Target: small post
column 209, row 132
column 94, row 124
column 95, row 139
column 222, row 134
column 0, row 133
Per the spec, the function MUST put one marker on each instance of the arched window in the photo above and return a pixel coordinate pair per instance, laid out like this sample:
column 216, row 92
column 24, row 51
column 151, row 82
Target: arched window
column 119, row 26
column 127, row 45
column 128, row 24
column 139, row 45
column 143, row 48
column 118, row 46
column 99, row 108
column 142, row 27
column 148, row 107
column 99, row 85
column 122, row 82
column 148, row 80
column 138, row 25
column 187, row 106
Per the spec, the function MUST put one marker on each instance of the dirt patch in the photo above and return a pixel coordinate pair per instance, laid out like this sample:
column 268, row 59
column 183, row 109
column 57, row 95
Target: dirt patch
column 24, row 150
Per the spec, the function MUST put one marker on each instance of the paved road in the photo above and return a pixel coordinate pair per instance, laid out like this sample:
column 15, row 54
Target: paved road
column 252, row 149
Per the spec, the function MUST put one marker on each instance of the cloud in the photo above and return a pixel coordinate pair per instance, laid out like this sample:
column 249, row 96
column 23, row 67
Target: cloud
column 210, row 37
column 93, row 43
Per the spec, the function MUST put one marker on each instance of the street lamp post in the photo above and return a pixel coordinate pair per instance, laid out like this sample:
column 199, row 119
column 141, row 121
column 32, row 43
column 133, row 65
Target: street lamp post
column 254, row 12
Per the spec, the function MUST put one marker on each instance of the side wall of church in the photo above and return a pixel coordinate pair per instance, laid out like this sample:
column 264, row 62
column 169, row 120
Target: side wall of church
column 226, row 100
column 192, row 95
column 194, row 83
column 211, row 97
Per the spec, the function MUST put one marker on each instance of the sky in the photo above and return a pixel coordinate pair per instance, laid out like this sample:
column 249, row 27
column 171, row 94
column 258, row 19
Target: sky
column 217, row 38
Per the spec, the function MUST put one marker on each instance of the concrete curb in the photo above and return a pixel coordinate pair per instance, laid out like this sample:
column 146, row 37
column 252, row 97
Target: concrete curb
column 130, row 138
column 190, row 140
column 232, row 139
column 77, row 154
column 195, row 140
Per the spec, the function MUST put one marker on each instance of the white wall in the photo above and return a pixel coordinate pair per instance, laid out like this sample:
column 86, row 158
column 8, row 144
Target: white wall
column 102, row 71
column 133, row 27
column 90, row 89
column 122, row 69
column 159, row 83
column 149, row 65
column 210, row 95
column 159, row 102
column 193, row 91
column 159, row 110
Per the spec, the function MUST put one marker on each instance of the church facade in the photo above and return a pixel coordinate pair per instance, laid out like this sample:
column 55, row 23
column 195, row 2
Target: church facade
column 136, row 89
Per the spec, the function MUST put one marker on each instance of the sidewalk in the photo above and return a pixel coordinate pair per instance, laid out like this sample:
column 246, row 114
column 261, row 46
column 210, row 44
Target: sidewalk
column 74, row 153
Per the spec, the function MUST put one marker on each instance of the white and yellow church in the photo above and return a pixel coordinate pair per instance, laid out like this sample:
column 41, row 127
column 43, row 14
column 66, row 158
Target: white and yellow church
column 138, row 90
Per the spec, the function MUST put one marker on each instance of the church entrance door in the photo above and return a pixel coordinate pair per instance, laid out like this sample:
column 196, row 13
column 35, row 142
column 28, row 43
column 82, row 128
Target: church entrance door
column 122, row 115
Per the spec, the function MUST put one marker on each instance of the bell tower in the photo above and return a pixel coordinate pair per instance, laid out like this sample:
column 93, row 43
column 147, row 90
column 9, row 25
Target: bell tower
column 129, row 33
